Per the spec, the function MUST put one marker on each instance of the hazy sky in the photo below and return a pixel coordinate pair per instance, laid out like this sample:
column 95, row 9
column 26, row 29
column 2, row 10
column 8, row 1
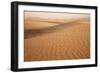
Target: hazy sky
column 55, row 16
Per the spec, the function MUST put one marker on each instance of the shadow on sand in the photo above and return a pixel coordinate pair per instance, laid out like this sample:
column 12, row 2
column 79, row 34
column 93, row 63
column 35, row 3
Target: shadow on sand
column 29, row 33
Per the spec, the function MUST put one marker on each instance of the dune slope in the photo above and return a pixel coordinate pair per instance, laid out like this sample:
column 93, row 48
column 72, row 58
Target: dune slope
column 63, row 41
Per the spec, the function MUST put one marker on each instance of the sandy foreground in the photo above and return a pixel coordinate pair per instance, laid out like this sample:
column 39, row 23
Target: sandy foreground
column 56, row 36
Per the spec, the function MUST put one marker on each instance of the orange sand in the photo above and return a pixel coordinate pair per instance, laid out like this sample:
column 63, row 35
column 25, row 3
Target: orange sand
column 52, row 40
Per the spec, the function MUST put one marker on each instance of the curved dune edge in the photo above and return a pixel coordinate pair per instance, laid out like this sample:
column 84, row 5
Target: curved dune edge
column 38, row 24
column 29, row 33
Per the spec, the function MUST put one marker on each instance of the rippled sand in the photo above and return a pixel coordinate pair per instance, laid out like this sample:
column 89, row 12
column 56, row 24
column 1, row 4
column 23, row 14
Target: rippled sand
column 48, row 39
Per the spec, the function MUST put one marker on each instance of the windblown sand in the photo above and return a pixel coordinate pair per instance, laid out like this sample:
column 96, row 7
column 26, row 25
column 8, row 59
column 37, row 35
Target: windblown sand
column 56, row 38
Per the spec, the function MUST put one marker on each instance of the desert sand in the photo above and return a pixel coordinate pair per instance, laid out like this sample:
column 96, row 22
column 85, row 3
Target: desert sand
column 56, row 36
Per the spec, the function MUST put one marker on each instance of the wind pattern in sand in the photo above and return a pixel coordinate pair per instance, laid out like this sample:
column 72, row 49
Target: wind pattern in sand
column 56, row 36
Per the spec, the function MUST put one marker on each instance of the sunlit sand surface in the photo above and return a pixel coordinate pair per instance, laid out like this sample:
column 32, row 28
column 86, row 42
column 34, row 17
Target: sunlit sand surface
column 56, row 36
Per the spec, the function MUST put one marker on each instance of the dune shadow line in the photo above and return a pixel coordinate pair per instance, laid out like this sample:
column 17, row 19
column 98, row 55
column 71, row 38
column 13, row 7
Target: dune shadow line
column 29, row 33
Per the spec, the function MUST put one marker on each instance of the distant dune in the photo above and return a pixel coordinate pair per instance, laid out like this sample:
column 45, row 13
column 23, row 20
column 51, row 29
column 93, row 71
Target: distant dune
column 47, row 38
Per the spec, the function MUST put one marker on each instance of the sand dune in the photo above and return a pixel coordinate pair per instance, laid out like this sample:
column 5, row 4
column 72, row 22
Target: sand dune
column 57, row 40
column 38, row 20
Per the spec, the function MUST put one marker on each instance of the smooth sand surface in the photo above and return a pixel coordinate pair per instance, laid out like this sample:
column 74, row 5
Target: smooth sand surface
column 48, row 39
